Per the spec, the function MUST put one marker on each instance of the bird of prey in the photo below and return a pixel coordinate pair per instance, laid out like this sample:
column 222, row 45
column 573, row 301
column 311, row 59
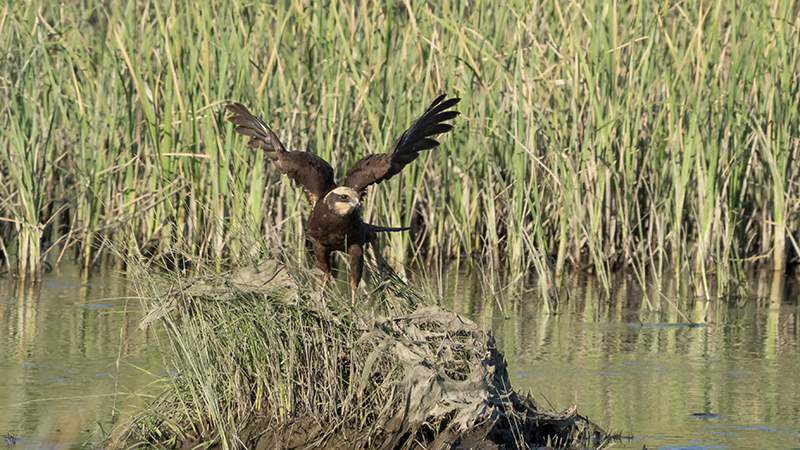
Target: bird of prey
column 335, row 223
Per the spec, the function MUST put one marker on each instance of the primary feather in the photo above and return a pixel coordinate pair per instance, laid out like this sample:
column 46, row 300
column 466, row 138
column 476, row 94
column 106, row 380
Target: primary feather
column 306, row 169
column 419, row 136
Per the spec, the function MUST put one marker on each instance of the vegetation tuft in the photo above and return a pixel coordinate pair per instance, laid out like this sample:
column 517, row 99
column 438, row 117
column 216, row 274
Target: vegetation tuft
column 661, row 136
column 261, row 362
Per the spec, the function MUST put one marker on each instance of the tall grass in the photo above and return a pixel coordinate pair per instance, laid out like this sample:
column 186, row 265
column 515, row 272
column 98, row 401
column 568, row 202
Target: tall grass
column 657, row 135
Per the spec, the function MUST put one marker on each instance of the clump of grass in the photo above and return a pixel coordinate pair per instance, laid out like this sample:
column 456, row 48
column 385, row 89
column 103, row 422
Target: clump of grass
column 658, row 136
column 255, row 349
column 213, row 393
column 264, row 361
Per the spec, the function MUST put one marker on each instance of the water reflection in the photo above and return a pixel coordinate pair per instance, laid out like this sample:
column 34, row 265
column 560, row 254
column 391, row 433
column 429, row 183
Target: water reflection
column 71, row 357
column 672, row 370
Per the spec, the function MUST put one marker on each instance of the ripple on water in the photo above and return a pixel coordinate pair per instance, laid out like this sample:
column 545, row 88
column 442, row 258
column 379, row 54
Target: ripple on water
column 94, row 305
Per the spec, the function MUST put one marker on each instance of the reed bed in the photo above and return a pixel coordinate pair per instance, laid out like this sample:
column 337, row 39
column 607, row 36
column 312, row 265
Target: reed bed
column 658, row 136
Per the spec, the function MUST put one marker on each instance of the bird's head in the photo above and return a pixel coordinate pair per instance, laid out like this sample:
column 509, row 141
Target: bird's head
column 343, row 201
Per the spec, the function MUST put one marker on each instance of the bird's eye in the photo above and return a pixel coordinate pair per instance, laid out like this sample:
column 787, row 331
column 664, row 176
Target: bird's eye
column 345, row 197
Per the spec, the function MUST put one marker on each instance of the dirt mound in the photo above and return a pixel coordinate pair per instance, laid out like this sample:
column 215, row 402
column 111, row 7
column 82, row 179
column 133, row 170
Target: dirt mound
column 452, row 392
column 308, row 375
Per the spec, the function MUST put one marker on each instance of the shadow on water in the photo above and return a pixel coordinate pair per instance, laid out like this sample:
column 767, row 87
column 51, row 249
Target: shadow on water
column 71, row 358
column 671, row 370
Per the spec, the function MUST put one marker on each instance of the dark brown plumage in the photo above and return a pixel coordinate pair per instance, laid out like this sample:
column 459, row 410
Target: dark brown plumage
column 335, row 222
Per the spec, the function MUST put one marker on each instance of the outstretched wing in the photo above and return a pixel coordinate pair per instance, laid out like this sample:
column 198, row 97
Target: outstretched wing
column 306, row 169
column 419, row 136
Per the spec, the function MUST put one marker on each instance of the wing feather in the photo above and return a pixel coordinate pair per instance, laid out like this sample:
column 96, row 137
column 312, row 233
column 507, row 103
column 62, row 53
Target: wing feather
column 306, row 169
column 419, row 136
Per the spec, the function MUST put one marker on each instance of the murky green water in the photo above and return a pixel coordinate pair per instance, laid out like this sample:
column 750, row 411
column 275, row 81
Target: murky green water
column 635, row 367
column 72, row 357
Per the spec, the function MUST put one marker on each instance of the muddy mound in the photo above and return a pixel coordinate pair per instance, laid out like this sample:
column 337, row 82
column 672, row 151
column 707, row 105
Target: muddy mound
column 266, row 364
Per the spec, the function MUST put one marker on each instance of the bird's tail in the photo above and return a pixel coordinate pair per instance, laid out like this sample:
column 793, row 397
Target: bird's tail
column 373, row 230
column 378, row 228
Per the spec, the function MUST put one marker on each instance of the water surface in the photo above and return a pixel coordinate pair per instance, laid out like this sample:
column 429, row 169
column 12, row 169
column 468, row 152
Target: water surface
column 673, row 371
column 72, row 359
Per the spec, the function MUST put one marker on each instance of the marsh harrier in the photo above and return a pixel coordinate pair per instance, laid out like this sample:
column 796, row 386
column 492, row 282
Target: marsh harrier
column 335, row 222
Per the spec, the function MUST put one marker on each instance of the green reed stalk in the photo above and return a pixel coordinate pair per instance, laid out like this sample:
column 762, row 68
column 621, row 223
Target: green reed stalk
column 660, row 135
column 26, row 158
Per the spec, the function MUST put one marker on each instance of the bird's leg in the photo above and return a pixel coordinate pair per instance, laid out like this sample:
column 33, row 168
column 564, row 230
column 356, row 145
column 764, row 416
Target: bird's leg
column 323, row 256
column 325, row 278
column 356, row 268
